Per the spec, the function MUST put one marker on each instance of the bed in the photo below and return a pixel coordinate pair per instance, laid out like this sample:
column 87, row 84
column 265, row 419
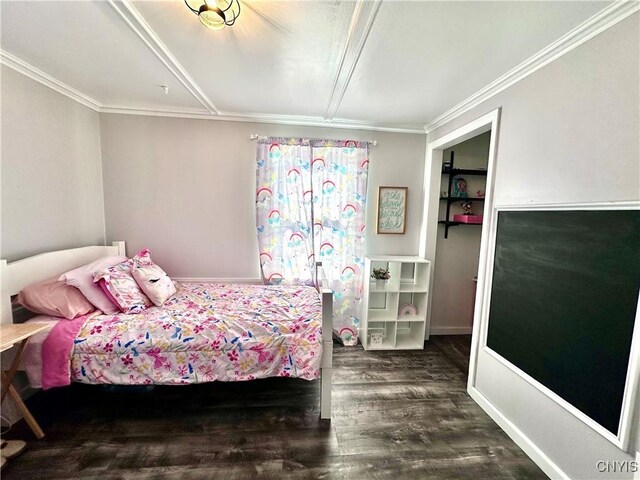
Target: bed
column 206, row 332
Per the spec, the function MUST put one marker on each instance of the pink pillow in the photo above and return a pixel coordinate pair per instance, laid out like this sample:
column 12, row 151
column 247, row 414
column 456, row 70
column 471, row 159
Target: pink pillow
column 154, row 282
column 103, row 286
column 118, row 280
column 56, row 298
column 82, row 278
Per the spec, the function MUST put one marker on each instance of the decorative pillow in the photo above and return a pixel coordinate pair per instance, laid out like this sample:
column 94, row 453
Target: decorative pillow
column 154, row 282
column 82, row 278
column 56, row 298
column 103, row 286
column 143, row 257
column 122, row 286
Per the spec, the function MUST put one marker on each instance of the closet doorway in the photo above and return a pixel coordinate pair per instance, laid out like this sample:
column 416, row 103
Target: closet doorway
column 459, row 179
column 460, row 220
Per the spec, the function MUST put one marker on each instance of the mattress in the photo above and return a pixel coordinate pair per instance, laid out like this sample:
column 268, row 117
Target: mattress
column 206, row 332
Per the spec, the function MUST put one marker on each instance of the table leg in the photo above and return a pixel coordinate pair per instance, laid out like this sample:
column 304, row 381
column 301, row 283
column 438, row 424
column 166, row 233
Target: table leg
column 17, row 399
column 12, row 369
column 7, row 387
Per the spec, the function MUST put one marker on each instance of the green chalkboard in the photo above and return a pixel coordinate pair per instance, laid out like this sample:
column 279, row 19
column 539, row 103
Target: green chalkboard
column 563, row 302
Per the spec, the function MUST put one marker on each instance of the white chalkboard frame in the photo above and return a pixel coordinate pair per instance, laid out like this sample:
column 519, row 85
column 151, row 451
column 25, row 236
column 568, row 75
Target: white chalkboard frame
column 401, row 231
column 481, row 324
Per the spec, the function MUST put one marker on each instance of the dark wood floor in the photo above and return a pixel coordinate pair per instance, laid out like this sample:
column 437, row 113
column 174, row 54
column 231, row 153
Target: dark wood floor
column 397, row 415
column 457, row 349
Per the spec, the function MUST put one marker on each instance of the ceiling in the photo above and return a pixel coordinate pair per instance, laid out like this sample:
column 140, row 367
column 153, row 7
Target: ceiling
column 380, row 64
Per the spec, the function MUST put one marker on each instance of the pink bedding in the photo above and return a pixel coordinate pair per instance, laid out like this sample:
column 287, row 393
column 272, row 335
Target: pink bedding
column 56, row 351
column 32, row 357
column 205, row 332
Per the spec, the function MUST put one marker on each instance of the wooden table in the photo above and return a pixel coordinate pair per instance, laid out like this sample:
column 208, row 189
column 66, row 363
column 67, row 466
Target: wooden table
column 10, row 335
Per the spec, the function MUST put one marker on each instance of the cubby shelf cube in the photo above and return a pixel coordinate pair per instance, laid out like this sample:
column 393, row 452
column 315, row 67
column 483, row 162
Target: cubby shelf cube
column 409, row 284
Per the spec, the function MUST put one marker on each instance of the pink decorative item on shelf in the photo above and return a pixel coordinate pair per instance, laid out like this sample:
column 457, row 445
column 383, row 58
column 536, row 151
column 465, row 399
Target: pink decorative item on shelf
column 408, row 309
column 467, row 218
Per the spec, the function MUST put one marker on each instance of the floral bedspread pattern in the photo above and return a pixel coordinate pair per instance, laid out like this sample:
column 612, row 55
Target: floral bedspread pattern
column 205, row 332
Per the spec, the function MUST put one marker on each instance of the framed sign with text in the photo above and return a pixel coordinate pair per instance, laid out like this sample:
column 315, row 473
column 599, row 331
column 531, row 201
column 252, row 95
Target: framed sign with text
column 392, row 209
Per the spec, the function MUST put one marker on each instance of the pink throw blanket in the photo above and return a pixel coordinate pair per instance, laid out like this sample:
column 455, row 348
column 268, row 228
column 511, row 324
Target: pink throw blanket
column 57, row 349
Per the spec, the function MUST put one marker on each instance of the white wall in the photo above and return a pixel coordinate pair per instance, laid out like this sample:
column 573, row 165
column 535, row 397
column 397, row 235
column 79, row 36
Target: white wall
column 569, row 133
column 456, row 261
column 185, row 188
column 51, row 176
column 51, row 170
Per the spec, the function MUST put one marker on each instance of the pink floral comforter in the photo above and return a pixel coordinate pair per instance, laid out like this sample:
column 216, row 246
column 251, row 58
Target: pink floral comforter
column 205, row 332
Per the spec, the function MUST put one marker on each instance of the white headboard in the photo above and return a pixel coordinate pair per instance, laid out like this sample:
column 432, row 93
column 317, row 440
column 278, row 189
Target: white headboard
column 16, row 275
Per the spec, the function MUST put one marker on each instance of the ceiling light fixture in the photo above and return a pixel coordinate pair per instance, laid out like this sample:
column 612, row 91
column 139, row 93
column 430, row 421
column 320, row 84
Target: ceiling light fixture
column 215, row 14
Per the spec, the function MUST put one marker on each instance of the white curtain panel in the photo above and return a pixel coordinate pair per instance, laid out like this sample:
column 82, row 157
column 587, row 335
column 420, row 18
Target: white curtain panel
column 310, row 206
column 283, row 212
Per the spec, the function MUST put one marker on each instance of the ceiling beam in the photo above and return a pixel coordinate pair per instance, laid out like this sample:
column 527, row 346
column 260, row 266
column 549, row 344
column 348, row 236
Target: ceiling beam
column 364, row 14
column 139, row 25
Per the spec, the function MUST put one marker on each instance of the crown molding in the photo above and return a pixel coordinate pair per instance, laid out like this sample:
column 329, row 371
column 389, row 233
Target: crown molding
column 266, row 118
column 342, row 123
column 364, row 14
column 39, row 76
column 47, row 80
column 140, row 27
column 595, row 25
column 158, row 111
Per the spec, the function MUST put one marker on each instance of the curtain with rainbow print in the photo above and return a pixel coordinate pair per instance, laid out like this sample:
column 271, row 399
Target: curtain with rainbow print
column 310, row 206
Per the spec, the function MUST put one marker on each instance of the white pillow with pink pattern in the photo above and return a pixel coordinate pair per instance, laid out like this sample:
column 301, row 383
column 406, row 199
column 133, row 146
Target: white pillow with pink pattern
column 119, row 282
column 154, row 282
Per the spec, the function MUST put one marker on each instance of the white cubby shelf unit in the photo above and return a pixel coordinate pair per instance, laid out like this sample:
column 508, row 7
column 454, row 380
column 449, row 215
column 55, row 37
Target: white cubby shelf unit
column 409, row 284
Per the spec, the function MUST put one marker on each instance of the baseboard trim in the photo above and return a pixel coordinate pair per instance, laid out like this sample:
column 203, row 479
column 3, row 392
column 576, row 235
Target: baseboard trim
column 450, row 330
column 524, row 442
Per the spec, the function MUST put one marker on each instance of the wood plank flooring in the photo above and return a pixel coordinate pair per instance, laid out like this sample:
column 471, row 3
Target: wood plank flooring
column 397, row 415
column 457, row 348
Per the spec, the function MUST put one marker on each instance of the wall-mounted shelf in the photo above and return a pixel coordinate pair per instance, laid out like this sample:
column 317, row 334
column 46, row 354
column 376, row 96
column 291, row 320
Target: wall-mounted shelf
column 463, row 171
column 449, row 223
column 462, row 199
column 451, row 171
column 409, row 284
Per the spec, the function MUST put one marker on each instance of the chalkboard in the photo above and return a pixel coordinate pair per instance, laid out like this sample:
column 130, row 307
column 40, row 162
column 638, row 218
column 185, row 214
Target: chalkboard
column 563, row 302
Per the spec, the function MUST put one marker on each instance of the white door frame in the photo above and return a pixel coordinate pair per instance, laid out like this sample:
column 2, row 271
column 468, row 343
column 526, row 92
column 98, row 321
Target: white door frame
column 432, row 180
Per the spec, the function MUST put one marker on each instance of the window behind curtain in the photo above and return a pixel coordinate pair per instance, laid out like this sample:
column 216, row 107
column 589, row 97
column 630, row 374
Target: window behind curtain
column 310, row 206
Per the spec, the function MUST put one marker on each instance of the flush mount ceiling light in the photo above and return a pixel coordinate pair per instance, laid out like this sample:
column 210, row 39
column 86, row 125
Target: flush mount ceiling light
column 215, row 14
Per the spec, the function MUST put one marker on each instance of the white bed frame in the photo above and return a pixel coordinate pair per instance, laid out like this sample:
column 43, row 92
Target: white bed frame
column 16, row 275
